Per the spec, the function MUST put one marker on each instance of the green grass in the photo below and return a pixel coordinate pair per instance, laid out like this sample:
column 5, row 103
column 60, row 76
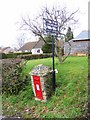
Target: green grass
column 69, row 99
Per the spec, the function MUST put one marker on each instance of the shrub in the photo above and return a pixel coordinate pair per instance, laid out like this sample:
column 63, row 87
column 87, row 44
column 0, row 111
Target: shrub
column 25, row 55
column 13, row 80
column 12, row 55
column 9, row 55
column 36, row 56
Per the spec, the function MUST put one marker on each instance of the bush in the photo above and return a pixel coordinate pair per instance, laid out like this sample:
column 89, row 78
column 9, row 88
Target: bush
column 25, row 55
column 13, row 55
column 9, row 55
column 36, row 56
column 13, row 80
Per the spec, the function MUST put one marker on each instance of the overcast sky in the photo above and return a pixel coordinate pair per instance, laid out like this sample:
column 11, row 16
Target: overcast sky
column 12, row 10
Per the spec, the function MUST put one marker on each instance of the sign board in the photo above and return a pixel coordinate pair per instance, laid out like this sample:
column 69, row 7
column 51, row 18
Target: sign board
column 50, row 26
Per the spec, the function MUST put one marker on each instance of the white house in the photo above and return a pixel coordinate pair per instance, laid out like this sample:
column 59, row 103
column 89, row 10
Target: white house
column 33, row 47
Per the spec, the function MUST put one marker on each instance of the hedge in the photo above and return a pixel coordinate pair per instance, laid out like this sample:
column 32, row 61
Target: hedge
column 12, row 55
column 25, row 55
column 13, row 80
column 36, row 56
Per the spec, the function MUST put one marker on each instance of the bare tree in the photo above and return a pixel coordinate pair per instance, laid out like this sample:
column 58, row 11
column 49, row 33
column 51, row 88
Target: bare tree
column 61, row 15
column 21, row 40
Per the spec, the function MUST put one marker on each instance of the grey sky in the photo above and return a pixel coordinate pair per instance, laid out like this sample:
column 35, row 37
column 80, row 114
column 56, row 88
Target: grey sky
column 12, row 10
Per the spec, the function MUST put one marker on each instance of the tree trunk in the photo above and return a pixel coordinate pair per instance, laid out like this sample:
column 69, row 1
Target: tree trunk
column 59, row 50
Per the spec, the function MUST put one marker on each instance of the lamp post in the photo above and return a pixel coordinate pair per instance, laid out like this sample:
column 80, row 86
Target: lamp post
column 51, row 27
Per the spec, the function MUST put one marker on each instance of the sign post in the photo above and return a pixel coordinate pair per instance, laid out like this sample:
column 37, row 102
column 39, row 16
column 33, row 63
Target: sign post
column 51, row 27
column 53, row 72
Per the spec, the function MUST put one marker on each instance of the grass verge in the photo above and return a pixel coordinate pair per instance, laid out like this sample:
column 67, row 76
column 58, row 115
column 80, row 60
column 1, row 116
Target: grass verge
column 69, row 100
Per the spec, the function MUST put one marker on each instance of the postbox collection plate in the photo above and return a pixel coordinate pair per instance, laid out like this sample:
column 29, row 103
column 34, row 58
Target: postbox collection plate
column 37, row 87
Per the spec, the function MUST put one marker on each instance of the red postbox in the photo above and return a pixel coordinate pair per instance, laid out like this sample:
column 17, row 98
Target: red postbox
column 37, row 87
column 41, row 78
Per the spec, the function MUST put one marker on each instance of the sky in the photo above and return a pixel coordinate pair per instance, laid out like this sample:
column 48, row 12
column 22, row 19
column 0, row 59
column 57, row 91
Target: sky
column 11, row 12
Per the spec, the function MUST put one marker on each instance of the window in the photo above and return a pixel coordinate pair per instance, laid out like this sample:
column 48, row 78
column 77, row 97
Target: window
column 38, row 51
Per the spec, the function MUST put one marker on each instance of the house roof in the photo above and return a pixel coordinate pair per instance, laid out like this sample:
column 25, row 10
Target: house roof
column 28, row 46
column 84, row 35
column 6, row 50
column 39, row 44
column 31, row 45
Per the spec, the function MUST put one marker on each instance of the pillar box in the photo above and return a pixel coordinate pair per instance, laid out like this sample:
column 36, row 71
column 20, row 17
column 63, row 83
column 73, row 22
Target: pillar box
column 41, row 77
